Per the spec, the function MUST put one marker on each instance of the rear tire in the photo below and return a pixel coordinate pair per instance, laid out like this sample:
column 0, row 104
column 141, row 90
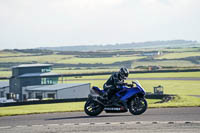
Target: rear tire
column 93, row 108
column 137, row 106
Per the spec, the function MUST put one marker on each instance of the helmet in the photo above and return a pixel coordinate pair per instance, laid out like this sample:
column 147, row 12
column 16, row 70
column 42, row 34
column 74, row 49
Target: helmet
column 123, row 73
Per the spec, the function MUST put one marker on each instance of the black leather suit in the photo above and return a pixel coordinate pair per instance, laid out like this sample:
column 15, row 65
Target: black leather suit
column 112, row 84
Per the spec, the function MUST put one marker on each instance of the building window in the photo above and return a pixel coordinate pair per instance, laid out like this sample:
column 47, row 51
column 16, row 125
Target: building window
column 1, row 93
column 24, row 97
column 30, row 95
column 38, row 96
column 49, row 81
column 43, row 81
column 55, row 80
column 51, row 95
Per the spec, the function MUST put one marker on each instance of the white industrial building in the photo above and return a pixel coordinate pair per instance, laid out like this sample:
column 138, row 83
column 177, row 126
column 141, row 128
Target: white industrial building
column 4, row 91
column 4, row 88
column 37, row 81
column 57, row 91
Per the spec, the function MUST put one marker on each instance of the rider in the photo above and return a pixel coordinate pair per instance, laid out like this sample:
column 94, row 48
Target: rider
column 114, row 83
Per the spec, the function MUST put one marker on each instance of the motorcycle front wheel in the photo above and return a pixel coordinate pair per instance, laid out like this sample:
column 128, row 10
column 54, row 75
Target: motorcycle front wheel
column 93, row 108
column 137, row 106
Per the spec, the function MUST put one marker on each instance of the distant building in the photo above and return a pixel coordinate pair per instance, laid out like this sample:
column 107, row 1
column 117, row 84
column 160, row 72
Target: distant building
column 160, row 53
column 4, row 89
column 154, row 68
column 153, row 53
column 34, row 80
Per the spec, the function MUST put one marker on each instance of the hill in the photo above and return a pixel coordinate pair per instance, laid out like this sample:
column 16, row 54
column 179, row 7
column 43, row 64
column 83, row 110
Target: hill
column 150, row 44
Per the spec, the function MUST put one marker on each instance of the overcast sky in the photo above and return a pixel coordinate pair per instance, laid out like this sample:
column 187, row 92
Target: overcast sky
column 41, row 23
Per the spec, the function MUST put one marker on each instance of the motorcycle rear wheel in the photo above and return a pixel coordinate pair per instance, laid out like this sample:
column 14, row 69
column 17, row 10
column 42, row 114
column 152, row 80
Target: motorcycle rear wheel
column 137, row 106
column 93, row 108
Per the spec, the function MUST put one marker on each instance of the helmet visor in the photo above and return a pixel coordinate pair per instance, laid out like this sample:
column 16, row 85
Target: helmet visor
column 123, row 76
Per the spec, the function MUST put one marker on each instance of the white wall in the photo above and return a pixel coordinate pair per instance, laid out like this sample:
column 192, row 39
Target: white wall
column 4, row 90
column 80, row 91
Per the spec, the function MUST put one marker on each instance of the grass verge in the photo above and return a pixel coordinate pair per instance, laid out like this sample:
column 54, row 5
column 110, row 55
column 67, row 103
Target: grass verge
column 41, row 108
column 179, row 101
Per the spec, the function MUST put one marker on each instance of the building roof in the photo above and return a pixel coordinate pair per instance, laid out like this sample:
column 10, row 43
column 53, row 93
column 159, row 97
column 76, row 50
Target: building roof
column 4, row 84
column 47, row 74
column 53, row 87
column 32, row 65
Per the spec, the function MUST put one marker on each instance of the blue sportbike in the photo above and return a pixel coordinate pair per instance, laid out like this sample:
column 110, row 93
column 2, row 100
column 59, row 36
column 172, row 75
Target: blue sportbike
column 133, row 95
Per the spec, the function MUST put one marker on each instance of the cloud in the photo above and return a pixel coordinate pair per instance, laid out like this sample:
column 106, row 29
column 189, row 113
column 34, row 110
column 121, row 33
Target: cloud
column 32, row 23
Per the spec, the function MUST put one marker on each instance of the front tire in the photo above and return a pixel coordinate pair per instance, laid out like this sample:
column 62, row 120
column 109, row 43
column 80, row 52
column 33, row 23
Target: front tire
column 137, row 106
column 93, row 108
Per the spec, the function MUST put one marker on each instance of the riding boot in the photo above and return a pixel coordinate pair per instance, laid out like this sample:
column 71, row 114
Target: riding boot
column 107, row 94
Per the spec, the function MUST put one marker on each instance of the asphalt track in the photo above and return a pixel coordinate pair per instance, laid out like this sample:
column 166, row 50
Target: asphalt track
column 185, row 120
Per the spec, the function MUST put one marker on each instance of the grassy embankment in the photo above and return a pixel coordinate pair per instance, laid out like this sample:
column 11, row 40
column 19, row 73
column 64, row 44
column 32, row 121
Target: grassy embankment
column 45, row 108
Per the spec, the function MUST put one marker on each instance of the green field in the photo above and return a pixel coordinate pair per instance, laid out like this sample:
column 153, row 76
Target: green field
column 79, row 62
column 34, row 58
column 183, row 87
column 5, row 73
column 178, row 55
column 164, row 75
column 142, row 75
column 13, row 54
column 194, row 49
column 105, row 60
column 166, row 63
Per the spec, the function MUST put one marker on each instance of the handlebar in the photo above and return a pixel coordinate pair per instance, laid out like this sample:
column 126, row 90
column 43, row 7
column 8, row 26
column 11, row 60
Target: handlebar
column 129, row 85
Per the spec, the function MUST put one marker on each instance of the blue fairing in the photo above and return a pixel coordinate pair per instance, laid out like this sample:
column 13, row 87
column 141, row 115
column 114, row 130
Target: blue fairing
column 130, row 92
column 97, row 90
column 125, row 92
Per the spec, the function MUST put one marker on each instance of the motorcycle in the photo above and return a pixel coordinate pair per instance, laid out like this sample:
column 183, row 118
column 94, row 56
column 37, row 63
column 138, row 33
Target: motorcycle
column 130, row 97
